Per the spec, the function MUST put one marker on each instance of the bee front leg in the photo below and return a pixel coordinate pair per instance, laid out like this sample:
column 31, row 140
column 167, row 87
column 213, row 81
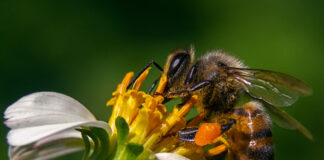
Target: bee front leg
column 184, row 93
column 144, row 68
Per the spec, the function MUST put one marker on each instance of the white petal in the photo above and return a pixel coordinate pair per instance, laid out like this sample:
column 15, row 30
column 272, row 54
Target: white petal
column 32, row 152
column 28, row 135
column 41, row 122
column 58, row 136
column 43, row 108
column 168, row 156
column 55, row 152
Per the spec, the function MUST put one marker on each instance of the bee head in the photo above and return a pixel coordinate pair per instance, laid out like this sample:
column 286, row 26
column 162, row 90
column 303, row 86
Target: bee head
column 178, row 64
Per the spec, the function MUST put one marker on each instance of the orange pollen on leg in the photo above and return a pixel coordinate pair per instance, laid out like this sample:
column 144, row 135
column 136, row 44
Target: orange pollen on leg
column 207, row 133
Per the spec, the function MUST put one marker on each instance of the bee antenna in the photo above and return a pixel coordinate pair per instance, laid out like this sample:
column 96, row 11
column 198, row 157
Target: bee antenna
column 144, row 68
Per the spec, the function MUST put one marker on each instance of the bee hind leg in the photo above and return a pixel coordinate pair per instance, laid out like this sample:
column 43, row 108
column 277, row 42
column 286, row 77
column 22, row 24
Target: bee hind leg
column 190, row 135
column 216, row 150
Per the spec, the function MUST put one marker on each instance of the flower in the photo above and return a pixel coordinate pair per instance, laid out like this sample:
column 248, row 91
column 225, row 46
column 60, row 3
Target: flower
column 150, row 124
column 45, row 125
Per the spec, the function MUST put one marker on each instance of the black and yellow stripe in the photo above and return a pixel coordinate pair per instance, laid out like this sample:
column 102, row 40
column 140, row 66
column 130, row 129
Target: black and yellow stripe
column 251, row 137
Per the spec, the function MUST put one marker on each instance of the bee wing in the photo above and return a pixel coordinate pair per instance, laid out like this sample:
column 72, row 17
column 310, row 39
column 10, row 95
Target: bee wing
column 284, row 120
column 278, row 78
column 275, row 88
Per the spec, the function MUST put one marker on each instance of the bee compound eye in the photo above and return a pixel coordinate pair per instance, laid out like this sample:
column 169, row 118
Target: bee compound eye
column 176, row 63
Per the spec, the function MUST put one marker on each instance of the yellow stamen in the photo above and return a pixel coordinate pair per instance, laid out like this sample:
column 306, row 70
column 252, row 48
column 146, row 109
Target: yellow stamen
column 148, row 120
column 138, row 83
column 170, row 121
column 162, row 84
column 189, row 104
column 191, row 151
column 123, row 85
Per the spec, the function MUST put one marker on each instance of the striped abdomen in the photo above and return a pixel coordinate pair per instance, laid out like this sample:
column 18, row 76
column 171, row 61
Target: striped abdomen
column 251, row 137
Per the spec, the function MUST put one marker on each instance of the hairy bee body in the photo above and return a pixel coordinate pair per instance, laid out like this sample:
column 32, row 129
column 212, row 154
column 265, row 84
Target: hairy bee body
column 222, row 92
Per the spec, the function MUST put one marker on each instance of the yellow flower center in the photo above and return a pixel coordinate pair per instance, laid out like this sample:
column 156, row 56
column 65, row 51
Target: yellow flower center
column 149, row 122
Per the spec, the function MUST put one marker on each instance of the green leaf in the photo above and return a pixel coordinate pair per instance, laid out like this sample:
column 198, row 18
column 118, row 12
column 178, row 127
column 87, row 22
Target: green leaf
column 87, row 145
column 122, row 135
column 122, row 130
column 100, row 147
column 125, row 150
column 132, row 151
column 103, row 139
column 96, row 146
column 147, row 154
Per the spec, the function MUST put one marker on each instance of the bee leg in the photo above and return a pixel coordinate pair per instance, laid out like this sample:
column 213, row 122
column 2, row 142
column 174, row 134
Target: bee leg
column 216, row 150
column 200, row 85
column 187, row 92
column 209, row 133
column 222, row 140
column 220, row 148
column 187, row 134
column 145, row 67
column 153, row 85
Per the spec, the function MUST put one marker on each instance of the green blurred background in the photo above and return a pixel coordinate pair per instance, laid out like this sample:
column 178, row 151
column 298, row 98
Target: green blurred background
column 83, row 49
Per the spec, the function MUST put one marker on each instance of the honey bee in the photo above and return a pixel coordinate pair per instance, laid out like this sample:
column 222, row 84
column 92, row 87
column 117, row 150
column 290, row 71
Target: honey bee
column 220, row 80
